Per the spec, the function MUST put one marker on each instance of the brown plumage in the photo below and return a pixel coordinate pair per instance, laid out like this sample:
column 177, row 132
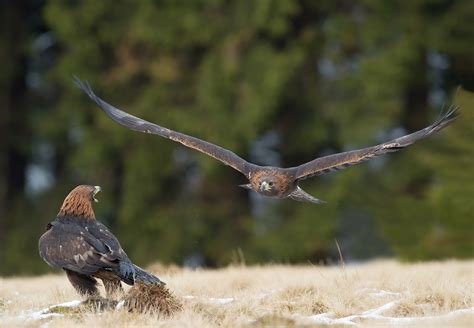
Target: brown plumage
column 79, row 203
column 266, row 180
column 76, row 242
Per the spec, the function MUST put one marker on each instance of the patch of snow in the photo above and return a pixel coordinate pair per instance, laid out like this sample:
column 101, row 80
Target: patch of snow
column 383, row 293
column 45, row 313
column 224, row 300
column 378, row 292
column 120, row 305
column 189, row 297
column 211, row 300
column 265, row 294
column 375, row 314
column 325, row 319
column 345, row 321
column 67, row 304
column 321, row 319
column 46, row 324
column 381, row 309
column 450, row 315
column 38, row 315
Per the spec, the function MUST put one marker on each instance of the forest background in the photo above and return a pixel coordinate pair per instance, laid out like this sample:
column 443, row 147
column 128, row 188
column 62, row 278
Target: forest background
column 277, row 82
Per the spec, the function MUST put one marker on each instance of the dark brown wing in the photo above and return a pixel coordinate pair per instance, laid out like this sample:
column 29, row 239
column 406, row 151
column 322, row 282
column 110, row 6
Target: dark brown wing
column 84, row 248
column 342, row 160
column 137, row 124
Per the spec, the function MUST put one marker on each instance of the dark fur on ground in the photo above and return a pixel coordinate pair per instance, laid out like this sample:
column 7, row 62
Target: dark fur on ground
column 141, row 298
column 151, row 298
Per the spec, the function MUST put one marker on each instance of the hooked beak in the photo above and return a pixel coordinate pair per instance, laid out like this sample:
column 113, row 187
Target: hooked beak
column 264, row 186
column 96, row 190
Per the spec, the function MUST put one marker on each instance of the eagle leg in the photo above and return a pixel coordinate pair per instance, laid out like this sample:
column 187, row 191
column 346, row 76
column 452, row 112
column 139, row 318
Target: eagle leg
column 112, row 287
column 302, row 196
column 111, row 282
column 84, row 285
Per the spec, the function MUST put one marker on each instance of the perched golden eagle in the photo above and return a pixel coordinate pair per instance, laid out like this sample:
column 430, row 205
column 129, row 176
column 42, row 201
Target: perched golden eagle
column 270, row 181
column 86, row 249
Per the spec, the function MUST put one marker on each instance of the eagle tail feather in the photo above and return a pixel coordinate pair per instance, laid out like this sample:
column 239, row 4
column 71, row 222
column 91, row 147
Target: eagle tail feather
column 302, row 196
column 145, row 277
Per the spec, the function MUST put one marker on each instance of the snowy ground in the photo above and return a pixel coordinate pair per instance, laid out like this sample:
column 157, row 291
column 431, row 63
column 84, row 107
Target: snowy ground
column 379, row 293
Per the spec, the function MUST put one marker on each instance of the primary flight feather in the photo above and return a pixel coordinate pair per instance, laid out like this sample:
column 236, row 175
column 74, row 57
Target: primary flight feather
column 270, row 181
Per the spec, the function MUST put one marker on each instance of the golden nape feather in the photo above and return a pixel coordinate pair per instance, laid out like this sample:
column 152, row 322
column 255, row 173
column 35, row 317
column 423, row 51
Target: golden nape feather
column 78, row 202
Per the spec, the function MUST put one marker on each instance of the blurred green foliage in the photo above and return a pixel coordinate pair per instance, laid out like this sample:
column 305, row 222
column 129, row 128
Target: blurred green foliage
column 325, row 76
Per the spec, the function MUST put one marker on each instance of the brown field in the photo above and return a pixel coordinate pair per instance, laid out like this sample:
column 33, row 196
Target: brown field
column 380, row 293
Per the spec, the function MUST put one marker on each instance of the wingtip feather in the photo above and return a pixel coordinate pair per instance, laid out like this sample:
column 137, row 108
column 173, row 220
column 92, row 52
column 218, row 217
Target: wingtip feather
column 84, row 86
column 445, row 119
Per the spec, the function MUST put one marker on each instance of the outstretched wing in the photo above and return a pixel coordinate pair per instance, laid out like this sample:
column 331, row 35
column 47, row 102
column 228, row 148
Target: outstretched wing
column 342, row 160
column 137, row 124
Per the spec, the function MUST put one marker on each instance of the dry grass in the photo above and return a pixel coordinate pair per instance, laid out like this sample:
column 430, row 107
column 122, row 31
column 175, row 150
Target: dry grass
column 151, row 298
column 267, row 296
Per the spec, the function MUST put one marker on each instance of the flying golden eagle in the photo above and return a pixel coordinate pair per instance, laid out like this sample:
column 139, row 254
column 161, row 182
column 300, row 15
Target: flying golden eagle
column 270, row 181
column 86, row 249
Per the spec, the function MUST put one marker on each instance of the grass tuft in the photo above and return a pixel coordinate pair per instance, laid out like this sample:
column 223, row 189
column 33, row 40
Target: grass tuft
column 151, row 298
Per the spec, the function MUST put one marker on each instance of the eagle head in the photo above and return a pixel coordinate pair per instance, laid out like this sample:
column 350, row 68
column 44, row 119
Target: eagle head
column 266, row 185
column 78, row 203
